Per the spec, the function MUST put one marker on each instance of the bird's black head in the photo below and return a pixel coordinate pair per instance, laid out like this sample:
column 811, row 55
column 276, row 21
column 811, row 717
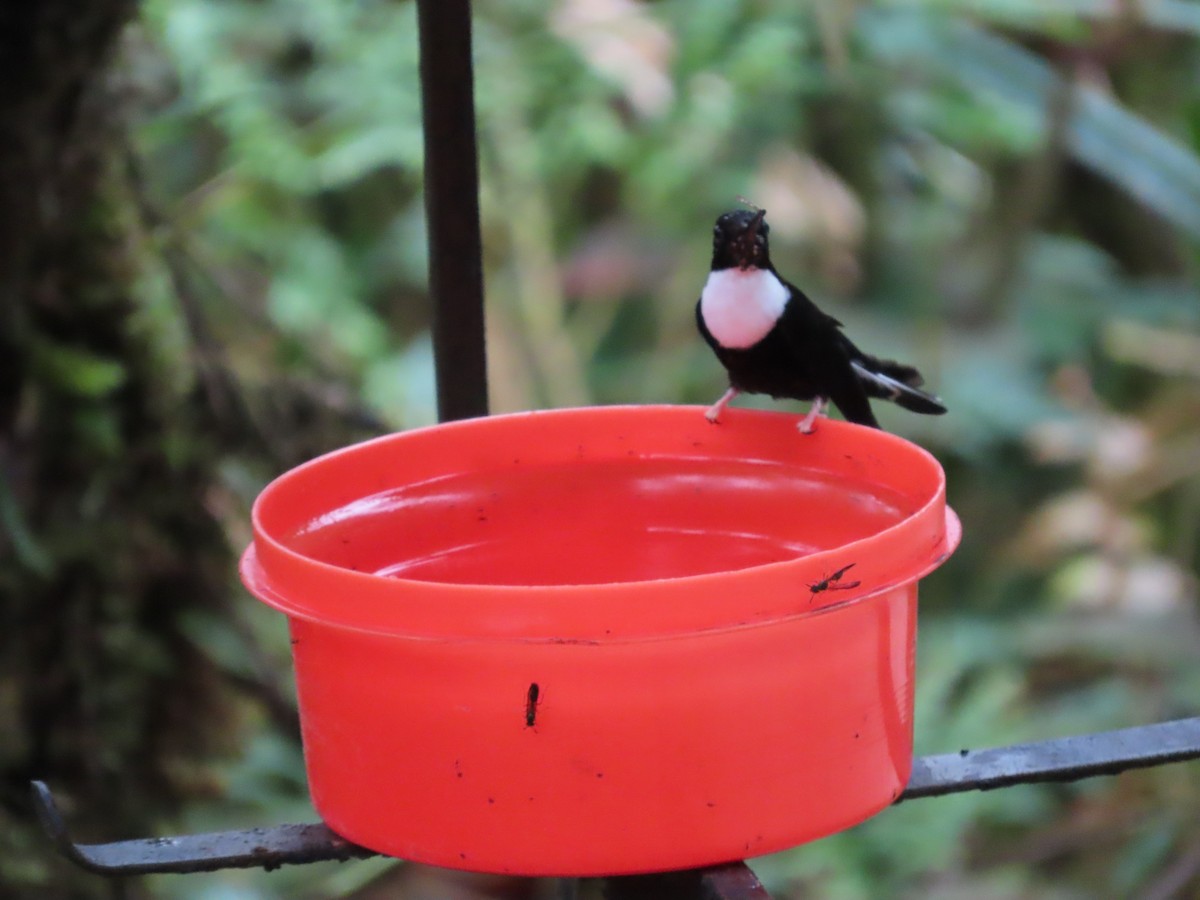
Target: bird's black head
column 740, row 239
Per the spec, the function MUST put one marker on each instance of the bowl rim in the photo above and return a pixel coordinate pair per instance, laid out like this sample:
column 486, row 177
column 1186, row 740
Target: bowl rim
column 279, row 575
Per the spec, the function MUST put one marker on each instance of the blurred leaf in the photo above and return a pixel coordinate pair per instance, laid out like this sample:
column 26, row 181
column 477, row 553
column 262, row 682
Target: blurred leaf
column 402, row 386
column 989, row 384
column 1181, row 15
column 1121, row 146
column 29, row 551
column 309, row 296
column 357, row 154
column 1118, row 144
column 1150, row 851
column 78, row 371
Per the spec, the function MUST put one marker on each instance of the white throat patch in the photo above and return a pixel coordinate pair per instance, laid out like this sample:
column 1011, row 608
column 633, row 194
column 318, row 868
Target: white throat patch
column 740, row 307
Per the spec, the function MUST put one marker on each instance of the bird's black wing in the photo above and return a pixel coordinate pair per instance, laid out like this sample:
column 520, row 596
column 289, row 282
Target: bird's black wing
column 816, row 341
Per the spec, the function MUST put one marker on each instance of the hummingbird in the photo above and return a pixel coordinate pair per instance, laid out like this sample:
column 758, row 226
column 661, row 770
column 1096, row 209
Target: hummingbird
column 773, row 340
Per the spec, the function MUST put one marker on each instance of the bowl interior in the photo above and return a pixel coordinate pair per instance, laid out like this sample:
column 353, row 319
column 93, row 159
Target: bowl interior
column 600, row 520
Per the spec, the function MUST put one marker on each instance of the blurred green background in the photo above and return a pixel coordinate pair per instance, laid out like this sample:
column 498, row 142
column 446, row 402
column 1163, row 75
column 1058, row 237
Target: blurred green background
column 1004, row 192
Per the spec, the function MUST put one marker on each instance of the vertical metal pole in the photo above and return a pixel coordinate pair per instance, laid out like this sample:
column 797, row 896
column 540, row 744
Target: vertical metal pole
column 452, row 207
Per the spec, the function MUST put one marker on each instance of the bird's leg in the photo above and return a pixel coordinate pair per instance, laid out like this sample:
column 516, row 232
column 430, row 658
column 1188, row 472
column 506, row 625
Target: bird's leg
column 808, row 423
column 714, row 412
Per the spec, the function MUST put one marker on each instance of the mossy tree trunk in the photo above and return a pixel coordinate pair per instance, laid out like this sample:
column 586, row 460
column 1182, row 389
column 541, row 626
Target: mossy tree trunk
column 107, row 459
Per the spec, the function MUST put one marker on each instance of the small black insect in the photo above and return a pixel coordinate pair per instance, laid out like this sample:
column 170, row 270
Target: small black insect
column 531, row 702
column 834, row 582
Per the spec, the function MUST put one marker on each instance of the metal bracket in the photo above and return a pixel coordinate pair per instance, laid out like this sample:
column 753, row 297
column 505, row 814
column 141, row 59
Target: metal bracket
column 729, row 881
column 1064, row 759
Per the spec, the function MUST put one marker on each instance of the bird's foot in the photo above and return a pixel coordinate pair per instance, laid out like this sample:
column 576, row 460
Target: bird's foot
column 808, row 424
column 713, row 413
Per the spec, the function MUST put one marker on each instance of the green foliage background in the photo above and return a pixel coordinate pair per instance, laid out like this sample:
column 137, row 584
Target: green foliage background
column 1005, row 193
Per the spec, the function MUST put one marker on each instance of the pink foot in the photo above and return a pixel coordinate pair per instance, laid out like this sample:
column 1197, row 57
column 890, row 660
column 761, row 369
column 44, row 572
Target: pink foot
column 713, row 413
column 808, row 424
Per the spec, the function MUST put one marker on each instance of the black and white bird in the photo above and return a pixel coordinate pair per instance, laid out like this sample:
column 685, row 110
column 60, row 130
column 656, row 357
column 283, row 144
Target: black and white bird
column 773, row 340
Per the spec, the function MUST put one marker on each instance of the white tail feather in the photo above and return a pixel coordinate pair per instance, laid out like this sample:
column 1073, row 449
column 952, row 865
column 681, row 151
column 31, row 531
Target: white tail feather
column 893, row 387
column 886, row 387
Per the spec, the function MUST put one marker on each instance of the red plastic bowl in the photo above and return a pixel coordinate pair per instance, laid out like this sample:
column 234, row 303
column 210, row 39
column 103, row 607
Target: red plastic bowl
column 603, row 640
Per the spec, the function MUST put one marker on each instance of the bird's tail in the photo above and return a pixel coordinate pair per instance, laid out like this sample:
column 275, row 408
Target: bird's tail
column 890, row 380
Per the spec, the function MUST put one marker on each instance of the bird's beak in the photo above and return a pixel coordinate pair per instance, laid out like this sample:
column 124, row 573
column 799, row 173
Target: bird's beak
column 748, row 239
column 752, row 232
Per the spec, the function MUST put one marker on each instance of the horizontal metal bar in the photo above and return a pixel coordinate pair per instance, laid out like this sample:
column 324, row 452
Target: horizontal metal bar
column 1064, row 759
column 248, row 848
